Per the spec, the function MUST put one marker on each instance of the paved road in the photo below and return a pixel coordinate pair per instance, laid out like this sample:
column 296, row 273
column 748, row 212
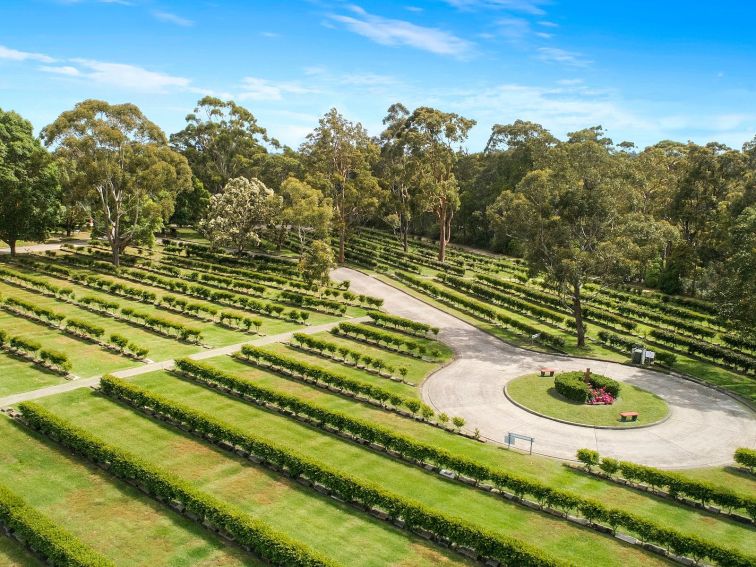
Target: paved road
column 704, row 427
column 165, row 364
column 43, row 247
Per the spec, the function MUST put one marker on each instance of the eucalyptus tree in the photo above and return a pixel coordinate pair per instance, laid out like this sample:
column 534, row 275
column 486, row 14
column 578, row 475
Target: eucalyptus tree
column 236, row 216
column 395, row 173
column 124, row 160
column 433, row 139
column 222, row 140
column 569, row 219
column 316, row 262
column 339, row 157
column 29, row 188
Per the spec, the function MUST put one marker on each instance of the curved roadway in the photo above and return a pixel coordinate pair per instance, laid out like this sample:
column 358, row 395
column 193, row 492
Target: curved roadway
column 703, row 429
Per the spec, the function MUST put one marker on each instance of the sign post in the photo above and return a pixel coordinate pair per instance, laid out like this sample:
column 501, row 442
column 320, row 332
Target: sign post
column 513, row 437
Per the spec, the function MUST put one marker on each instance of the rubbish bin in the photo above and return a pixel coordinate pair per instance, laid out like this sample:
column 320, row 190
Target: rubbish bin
column 637, row 356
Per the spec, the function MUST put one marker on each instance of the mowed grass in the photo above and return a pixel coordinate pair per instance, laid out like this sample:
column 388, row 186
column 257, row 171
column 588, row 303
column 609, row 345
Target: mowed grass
column 19, row 375
column 13, row 554
column 106, row 514
column 335, row 529
column 398, row 388
column 556, row 537
column 537, row 393
column 533, row 467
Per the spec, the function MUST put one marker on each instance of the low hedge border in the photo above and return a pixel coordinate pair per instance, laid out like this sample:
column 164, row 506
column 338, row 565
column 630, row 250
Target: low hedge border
column 402, row 324
column 746, row 458
column 253, row 535
column 384, row 340
column 48, row 541
column 411, row 515
column 423, row 455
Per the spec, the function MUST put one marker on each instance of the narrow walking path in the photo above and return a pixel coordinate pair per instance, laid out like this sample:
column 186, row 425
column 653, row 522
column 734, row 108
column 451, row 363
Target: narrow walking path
column 166, row 364
column 704, row 427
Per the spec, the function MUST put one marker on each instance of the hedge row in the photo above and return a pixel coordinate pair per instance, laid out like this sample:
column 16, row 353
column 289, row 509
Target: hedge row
column 480, row 309
column 31, row 350
column 707, row 350
column 676, row 485
column 329, row 349
column 627, row 345
column 32, row 309
column 497, row 297
column 163, row 326
column 249, row 533
column 17, row 278
column 747, row 458
column 44, row 537
column 384, row 340
column 414, row 515
column 314, row 303
column 415, row 327
column 295, row 368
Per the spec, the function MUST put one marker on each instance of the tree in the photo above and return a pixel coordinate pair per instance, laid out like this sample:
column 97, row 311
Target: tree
column 305, row 211
column 132, row 174
column 236, row 216
column 191, row 205
column 430, row 136
column 29, row 188
column 222, row 141
column 339, row 156
column 395, row 173
column 567, row 218
column 316, row 262
column 735, row 288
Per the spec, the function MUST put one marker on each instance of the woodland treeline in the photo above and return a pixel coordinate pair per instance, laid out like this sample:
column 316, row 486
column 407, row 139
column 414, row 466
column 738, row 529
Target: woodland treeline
column 673, row 216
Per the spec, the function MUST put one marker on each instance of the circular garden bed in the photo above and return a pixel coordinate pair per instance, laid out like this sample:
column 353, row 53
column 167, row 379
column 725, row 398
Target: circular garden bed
column 538, row 394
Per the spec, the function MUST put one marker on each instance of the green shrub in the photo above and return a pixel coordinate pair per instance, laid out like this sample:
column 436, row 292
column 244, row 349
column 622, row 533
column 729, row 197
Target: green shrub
column 609, row 466
column 571, row 386
column 746, row 458
column 588, row 457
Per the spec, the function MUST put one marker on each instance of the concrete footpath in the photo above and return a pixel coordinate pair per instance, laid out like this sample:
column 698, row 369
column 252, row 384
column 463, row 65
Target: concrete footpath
column 703, row 429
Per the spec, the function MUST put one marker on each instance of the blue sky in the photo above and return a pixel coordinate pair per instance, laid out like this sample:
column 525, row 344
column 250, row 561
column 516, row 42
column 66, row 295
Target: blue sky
column 644, row 70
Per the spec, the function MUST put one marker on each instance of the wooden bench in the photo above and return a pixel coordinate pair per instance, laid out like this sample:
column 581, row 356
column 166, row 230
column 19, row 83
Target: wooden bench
column 549, row 371
column 631, row 414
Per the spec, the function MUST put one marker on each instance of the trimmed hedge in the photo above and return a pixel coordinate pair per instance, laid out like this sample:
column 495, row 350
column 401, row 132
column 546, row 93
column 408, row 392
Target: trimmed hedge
column 572, row 386
column 408, row 325
column 415, row 451
column 382, row 339
column 746, row 458
column 249, row 533
column 502, row 548
column 329, row 350
column 44, row 537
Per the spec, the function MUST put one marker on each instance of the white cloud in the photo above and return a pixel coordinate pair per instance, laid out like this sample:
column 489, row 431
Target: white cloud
column 548, row 24
column 270, row 35
column 61, row 70
column 171, row 18
column 130, row 77
column 556, row 55
column 15, row 55
column 255, row 88
column 394, row 33
column 532, row 7
column 514, row 29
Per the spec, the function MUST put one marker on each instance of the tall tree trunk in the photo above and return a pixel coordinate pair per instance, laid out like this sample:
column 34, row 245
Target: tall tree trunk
column 577, row 309
column 404, row 229
column 342, row 243
column 12, row 244
column 442, row 235
column 116, row 249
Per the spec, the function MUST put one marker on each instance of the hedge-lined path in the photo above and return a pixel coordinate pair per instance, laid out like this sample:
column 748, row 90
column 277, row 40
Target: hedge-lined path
column 703, row 429
column 165, row 364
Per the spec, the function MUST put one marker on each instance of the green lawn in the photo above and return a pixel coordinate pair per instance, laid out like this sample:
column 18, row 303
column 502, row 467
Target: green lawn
column 110, row 516
column 18, row 375
column 436, row 493
column 337, row 530
column 13, row 554
column 533, row 467
column 538, row 394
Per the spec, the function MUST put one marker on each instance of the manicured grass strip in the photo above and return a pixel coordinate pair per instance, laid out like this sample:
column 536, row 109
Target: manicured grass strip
column 416, row 452
column 247, row 532
column 413, row 515
column 531, row 467
column 45, row 538
column 20, row 376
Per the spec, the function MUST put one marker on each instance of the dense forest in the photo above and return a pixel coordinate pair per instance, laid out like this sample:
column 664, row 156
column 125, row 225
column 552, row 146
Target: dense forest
column 677, row 217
